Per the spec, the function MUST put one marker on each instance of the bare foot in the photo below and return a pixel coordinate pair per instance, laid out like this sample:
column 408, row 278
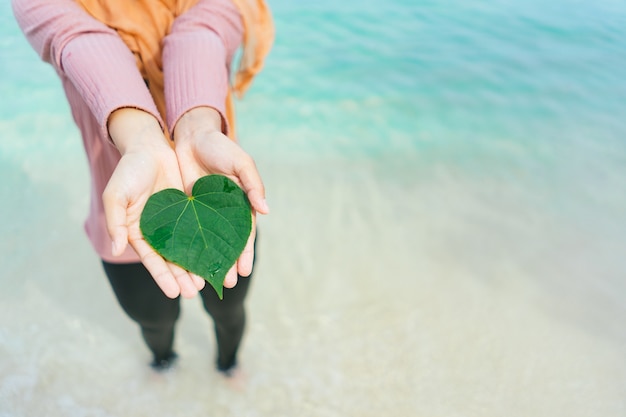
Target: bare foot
column 235, row 378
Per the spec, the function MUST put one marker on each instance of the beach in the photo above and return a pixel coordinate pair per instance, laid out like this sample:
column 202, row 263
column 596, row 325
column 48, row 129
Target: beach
column 430, row 251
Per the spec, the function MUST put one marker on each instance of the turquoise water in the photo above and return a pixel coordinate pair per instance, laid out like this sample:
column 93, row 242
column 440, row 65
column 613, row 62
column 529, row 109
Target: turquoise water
column 462, row 80
column 457, row 73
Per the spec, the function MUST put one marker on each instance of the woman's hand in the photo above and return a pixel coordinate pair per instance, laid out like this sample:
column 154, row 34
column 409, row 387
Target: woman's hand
column 148, row 165
column 202, row 149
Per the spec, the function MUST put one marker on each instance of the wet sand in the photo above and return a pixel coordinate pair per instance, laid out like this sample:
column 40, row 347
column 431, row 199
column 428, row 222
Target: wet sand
column 380, row 290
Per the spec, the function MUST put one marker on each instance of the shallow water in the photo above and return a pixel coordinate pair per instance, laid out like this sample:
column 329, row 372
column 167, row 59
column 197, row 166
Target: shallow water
column 448, row 222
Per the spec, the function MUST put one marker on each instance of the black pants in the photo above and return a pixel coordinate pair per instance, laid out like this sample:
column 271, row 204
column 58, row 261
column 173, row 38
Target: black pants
column 156, row 314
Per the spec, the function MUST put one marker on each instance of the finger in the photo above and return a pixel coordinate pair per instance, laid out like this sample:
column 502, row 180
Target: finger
column 157, row 267
column 198, row 282
column 189, row 170
column 115, row 216
column 185, row 283
column 231, row 277
column 252, row 184
column 246, row 260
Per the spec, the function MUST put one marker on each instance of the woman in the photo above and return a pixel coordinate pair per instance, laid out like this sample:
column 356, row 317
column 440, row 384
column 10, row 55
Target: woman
column 137, row 74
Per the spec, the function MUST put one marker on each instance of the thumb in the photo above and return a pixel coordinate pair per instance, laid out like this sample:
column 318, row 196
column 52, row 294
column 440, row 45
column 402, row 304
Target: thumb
column 115, row 215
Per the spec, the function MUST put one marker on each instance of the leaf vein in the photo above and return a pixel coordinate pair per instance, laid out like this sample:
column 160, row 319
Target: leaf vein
column 149, row 219
column 222, row 216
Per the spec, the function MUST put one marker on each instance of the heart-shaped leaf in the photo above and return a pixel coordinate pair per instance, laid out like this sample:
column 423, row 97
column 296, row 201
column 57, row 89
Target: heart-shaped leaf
column 204, row 233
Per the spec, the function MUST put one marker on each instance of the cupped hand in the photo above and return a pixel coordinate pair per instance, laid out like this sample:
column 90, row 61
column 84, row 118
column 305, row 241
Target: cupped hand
column 202, row 149
column 148, row 164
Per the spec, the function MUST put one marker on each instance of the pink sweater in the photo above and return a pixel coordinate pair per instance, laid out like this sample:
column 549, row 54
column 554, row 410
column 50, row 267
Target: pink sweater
column 99, row 75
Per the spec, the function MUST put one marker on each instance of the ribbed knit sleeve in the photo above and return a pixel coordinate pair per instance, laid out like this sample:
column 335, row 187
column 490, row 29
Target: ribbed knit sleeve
column 91, row 55
column 196, row 58
column 104, row 71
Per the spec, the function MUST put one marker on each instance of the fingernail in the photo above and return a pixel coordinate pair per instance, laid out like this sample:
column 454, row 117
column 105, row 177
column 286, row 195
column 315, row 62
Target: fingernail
column 264, row 206
column 115, row 248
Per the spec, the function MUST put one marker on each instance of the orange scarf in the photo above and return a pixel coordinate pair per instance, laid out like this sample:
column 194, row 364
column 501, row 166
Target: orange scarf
column 142, row 24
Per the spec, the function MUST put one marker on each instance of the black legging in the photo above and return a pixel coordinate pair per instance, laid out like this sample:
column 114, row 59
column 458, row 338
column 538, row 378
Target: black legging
column 156, row 314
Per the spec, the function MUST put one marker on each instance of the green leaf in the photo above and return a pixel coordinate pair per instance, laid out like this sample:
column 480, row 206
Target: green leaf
column 204, row 233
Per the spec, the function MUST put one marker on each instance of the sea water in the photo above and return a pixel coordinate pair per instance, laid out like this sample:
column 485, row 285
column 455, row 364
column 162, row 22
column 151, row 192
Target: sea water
column 492, row 87
column 448, row 222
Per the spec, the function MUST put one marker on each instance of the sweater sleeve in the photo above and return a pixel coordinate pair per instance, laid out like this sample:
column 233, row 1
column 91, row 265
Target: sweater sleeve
column 90, row 54
column 196, row 58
